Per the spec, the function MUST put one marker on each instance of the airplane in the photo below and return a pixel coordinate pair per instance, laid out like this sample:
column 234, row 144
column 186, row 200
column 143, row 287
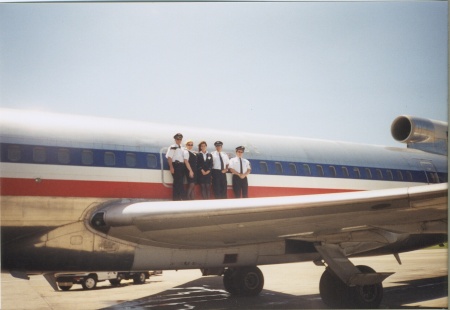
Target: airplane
column 82, row 193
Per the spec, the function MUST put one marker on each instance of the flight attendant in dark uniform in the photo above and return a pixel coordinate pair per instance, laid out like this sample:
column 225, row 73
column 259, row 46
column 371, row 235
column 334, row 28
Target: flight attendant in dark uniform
column 240, row 168
column 191, row 175
column 204, row 164
column 176, row 157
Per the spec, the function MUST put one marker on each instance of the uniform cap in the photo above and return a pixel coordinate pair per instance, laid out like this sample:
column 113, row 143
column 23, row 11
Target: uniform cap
column 178, row 136
column 218, row 143
column 240, row 148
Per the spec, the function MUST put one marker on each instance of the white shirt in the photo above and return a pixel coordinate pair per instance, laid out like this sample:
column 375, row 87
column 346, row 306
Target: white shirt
column 236, row 165
column 216, row 160
column 205, row 155
column 177, row 153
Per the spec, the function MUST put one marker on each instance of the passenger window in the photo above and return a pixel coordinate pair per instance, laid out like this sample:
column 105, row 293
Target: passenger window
column 379, row 174
column 436, row 175
column 278, row 168
column 306, row 169
column 399, row 175
column 389, row 174
column 39, row 155
column 87, row 157
column 433, row 177
column 345, row 172
column 409, row 176
column 63, row 156
column 320, row 171
column 151, row 161
column 14, row 153
column 263, row 167
column 368, row 173
column 357, row 173
column 110, row 159
column 130, row 160
column 333, row 171
column 292, row 169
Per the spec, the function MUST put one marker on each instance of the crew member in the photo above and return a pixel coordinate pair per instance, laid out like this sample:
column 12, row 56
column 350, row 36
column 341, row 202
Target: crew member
column 240, row 168
column 219, row 170
column 191, row 170
column 204, row 165
column 176, row 156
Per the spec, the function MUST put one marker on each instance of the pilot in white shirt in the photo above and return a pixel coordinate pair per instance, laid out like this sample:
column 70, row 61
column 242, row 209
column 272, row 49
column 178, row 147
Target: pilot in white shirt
column 176, row 157
column 219, row 170
column 240, row 168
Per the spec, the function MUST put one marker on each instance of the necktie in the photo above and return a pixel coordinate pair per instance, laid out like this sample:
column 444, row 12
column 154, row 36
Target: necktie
column 240, row 160
column 221, row 162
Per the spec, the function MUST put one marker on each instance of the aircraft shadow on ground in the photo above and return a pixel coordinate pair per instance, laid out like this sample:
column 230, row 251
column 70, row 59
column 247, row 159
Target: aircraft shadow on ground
column 208, row 293
column 415, row 291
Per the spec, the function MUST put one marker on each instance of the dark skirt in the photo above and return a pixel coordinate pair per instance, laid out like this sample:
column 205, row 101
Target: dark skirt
column 204, row 179
column 193, row 163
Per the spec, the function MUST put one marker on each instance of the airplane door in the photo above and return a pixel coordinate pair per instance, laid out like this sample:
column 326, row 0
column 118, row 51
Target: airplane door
column 165, row 175
column 430, row 171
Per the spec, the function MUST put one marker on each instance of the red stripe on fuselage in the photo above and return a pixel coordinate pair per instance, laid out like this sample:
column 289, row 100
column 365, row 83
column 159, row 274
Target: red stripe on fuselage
column 102, row 189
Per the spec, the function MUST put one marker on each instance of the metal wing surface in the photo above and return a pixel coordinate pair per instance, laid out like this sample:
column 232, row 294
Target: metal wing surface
column 365, row 216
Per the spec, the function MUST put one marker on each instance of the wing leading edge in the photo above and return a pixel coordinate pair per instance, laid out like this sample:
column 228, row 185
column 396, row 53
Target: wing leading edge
column 370, row 217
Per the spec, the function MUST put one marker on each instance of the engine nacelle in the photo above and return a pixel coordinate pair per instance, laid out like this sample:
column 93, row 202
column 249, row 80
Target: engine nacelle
column 415, row 129
column 421, row 133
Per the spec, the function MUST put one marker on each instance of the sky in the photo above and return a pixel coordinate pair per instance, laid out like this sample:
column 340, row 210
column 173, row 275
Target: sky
column 328, row 70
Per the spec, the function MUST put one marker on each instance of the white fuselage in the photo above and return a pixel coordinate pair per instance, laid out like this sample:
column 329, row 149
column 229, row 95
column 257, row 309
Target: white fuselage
column 55, row 168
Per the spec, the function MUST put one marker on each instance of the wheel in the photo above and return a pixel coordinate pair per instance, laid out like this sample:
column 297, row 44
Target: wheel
column 245, row 281
column 65, row 287
column 228, row 281
column 139, row 278
column 336, row 294
column 89, row 282
column 250, row 281
column 115, row 282
column 366, row 296
column 334, row 291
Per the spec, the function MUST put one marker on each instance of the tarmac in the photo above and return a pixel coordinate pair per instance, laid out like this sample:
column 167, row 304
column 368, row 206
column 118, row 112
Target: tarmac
column 420, row 282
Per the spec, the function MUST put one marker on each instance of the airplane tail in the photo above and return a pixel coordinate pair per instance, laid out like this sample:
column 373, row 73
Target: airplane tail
column 420, row 133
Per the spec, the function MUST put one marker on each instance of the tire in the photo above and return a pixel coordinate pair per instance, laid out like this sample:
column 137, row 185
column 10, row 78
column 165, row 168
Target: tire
column 333, row 291
column 336, row 294
column 65, row 287
column 248, row 281
column 139, row 278
column 228, row 282
column 115, row 282
column 89, row 282
column 366, row 296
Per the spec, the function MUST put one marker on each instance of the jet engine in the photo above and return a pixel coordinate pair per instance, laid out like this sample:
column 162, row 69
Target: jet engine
column 432, row 135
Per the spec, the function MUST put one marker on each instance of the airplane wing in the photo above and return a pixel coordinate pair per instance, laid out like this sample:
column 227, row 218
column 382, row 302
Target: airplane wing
column 364, row 220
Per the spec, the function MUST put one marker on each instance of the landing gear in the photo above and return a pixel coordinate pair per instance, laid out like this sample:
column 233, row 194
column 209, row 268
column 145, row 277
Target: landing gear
column 367, row 296
column 336, row 294
column 243, row 281
column 333, row 291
